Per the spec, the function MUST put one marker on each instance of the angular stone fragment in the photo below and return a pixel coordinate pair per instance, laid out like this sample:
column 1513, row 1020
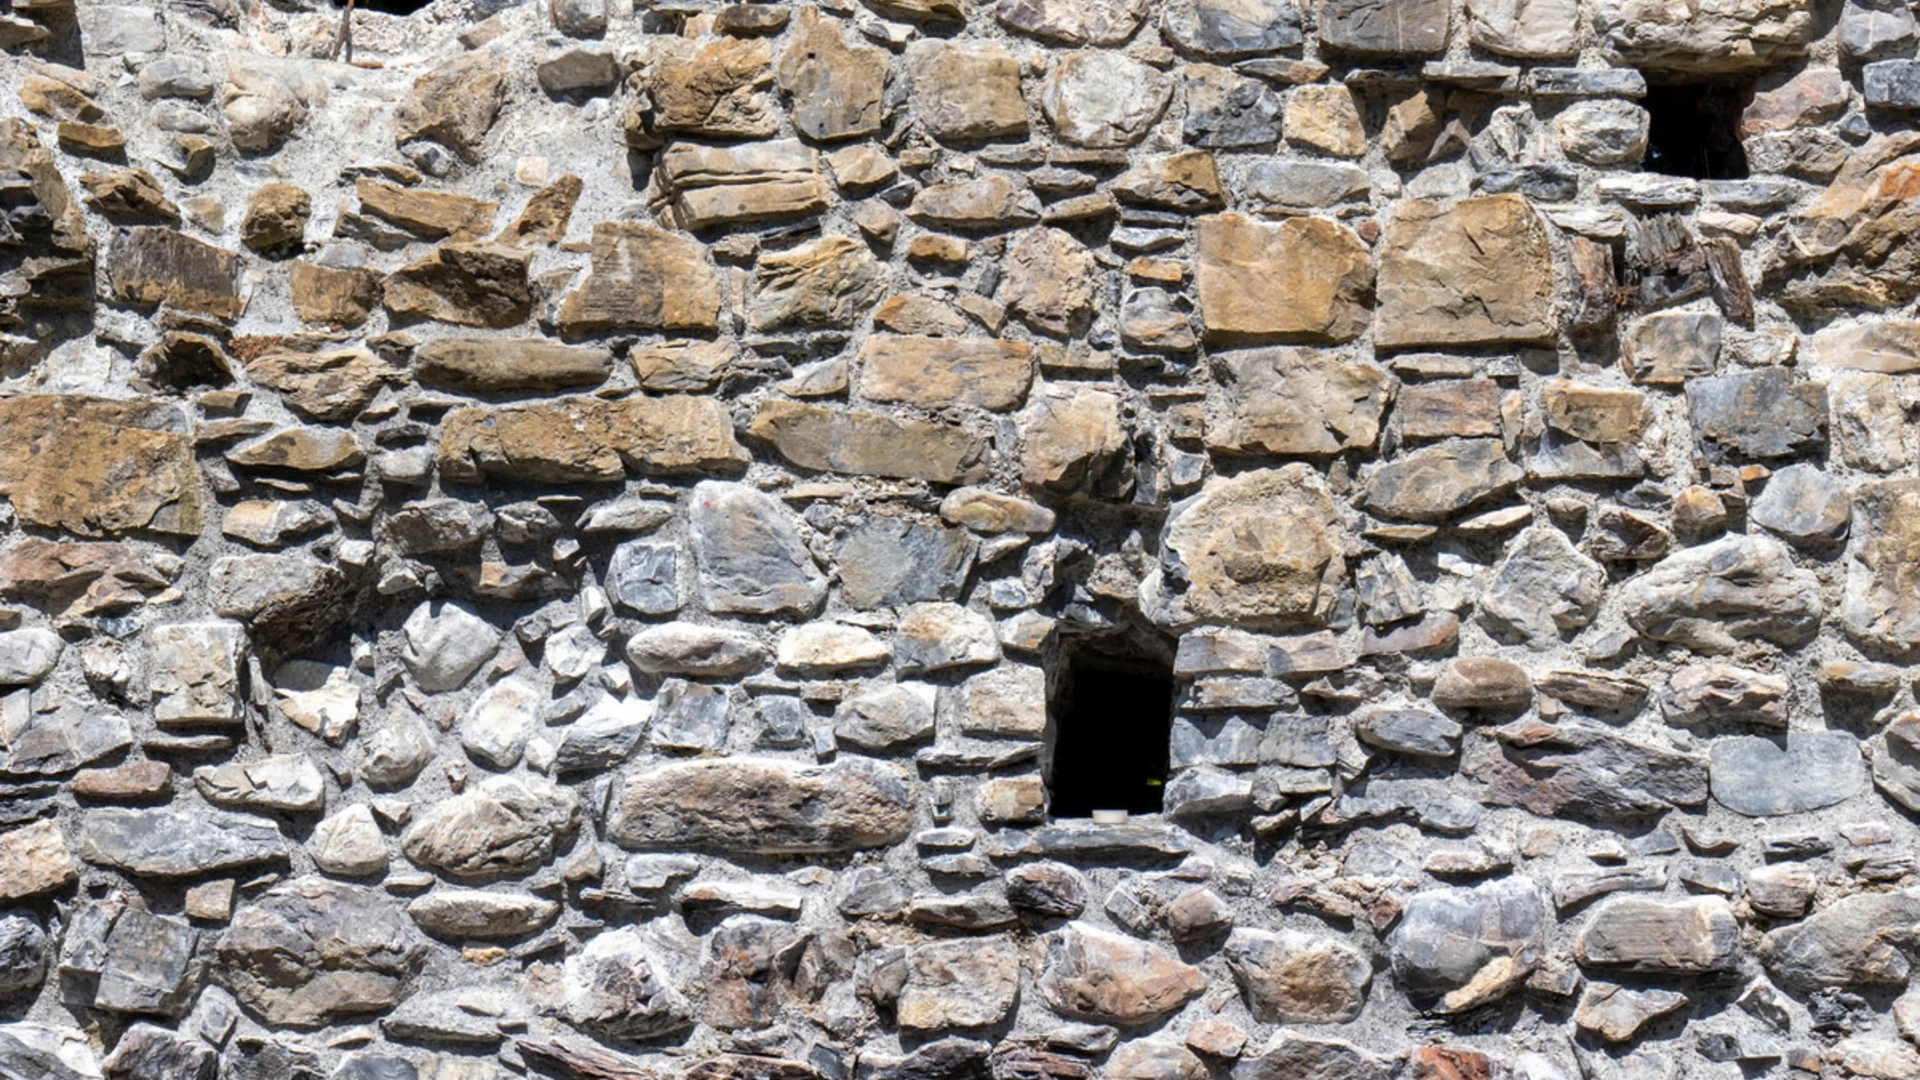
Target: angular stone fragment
column 1103, row 99
column 1586, row 771
column 1297, row 401
column 1301, row 279
column 1227, row 29
column 1529, row 29
column 122, row 959
column 1858, row 941
column 583, row 439
column 1852, row 247
column 1437, row 481
column 1594, row 414
column 1713, row 37
column 827, row 283
column 1074, row 22
column 1293, row 977
column 329, row 385
column 178, row 842
column 1706, row 693
column 1616, row 1013
column 427, row 215
column 1660, row 936
column 507, row 826
column 938, row 372
column 1102, row 977
column 34, row 859
column 827, row 647
column 718, row 186
column 1292, row 1056
column 1760, row 414
column 495, row 728
column 343, row 296
column 1071, row 435
column 27, row 656
column 869, row 444
column 990, row 202
column 750, row 552
column 1868, row 427
column 717, row 88
column 1804, row 504
column 1708, row 597
column 454, row 104
column 149, row 266
column 642, row 278
column 196, row 673
column 1879, row 608
column 760, row 805
column 1888, row 346
column 966, row 90
column 1384, row 27
column 1543, row 588
column 1474, row 272
column 444, row 645
column 618, row 986
column 888, row 561
column 314, row 952
column 1051, row 280
column 1188, row 181
column 97, row 466
column 290, row 783
column 469, row 284
column 836, row 89
column 1800, row 771
column 958, row 984
column 1262, row 548
column 1459, row 948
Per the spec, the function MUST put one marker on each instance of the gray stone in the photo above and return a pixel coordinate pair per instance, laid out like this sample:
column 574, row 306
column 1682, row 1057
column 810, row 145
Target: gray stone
column 196, row 673
column 1102, row 977
column 27, row 656
column 1709, row 597
column 1586, row 771
column 1305, row 184
column 1669, row 348
column 1718, row 37
column 24, row 952
column 1047, row 888
column 1759, row 414
column 57, row 741
column 1229, row 29
column 38, row 1052
column 1801, row 771
column 495, row 728
column 937, row 636
column 1803, row 504
column 1892, row 84
column 1458, row 948
column 1879, row 608
column 1544, row 588
column 1295, row 977
column 314, row 952
column 1420, row 732
column 178, row 841
column 956, row 985
column 1603, row 132
column 1227, row 110
column 760, row 805
column 507, row 826
column 1873, row 29
column 1617, row 1013
column 1435, row 482
column 751, row 557
column 1104, row 99
column 890, row 561
column 604, row 736
column 1530, row 29
column 1709, row 693
column 885, row 718
column 149, row 1052
column 684, row 648
column 125, row 960
column 1651, row 936
column 1856, row 942
column 1293, row 1056
column 690, row 717
column 1384, row 27
column 479, row 913
column 290, row 783
column 436, row 527
column 349, row 844
column 444, row 644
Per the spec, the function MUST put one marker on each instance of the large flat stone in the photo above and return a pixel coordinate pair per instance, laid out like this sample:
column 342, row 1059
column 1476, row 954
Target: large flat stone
column 95, row 466
column 760, row 805
column 1475, row 272
column 642, row 278
column 584, row 439
column 1303, row 279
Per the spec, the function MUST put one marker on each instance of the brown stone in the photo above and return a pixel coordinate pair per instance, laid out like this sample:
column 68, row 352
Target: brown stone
column 1475, row 272
column 1070, row 434
column 1594, row 413
column 990, row 202
column 1484, row 685
column 34, row 859
column 509, row 365
column 763, row 806
column 1814, row 96
column 330, row 386
column 1854, row 245
column 1261, row 548
column 129, row 196
column 454, row 104
column 1291, row 400
column 1303, row 279
column 337, row 296
column 78, row 579
column 136, row 780
column 96, row 467
column 717, row 186
column 1324, row 117
column 1187, row 181
column 831, row 282
column 545, row 218
column 468, row 284
column 276, row 218
column 643, row 278
column 869, row 444
column 1105, row 978
column 1294, row 977
column 301, row 449
column 584, row 439
column 966, row 90
column 836, row 89
column 1890, row 346
column 682, row 365
column 149, row 266
column 720, row 89
column 1449, row 407
column 1434, row 482
column 427, row 215
column 1050, row 282
column 1880, row 606
column 936, row 373
column 91, row 140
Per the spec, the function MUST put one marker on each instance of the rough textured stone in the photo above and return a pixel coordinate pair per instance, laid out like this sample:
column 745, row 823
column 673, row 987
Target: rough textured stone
column 751, row 556
column 508, row 825
column 1303, row 279
column 1474, row 272
column 1708, row 597
column 1103, row 99
column 1456, row 949
column 1804, row 770
column 935, row 372
column 1544, row 588
column 578, row 440
column 96, row 467
column 763, row 806
column 1099, row 976
column 967, row 90
column 1438, row 481
column 312, row 951
column 1262, row 549
column 1660, row 936
column 1291, row 977
column 1719, row 36
column 642, row 278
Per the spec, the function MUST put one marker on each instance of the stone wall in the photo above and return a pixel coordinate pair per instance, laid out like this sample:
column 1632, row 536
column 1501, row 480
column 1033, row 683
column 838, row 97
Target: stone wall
column 554, row 538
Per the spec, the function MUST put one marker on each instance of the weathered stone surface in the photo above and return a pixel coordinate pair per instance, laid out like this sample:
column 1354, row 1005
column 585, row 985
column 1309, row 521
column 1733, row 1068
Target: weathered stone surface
column 837, row 89
column 935, row 372
column 1188, row 181
column 1583, row 770
column 1286, row 400
column 1660, row 936
column 1708, row 597
column 152, row 266
column 1543, row 588
column 122, row 959
column 1456, row 949
column 483, row 914
column 990, row 202
column 445, row 644
column 312, row 952
column 1224, row 29
column 766, row 806
column 1708, row 693
column 286, row 782
column 34, row 859
column 828, row 283
column 1718, row 36
column 1804, row 505
column 1858, row 941
column 349, row 844
column 869, row 444
column 1103, row 99
column 1293, row 977
column 751, row 556
column 1877, row 609
column 617, row 985
column 1098, row 22
column 1100, row 976
column 1435, row 482
column 1072, row 435
column 958, row 984
column 475, row 284
column 1530, row 29
column 1617, row 1013
column 1762, row 776
column 508, row 825
column 1227, row 110
column 1050, row 279
column 98, row 467
column 642, row 278
column 1302, row 279
column 1475, row 272
column 720, row 186
column 1291, row 1054
column 965, row 90
column 1760, row 414
column 1263, row 548
column 892, row 561
column 580, row 440
column 507, row 366
column 170, row 842
column 718, row 88
column 454, row 105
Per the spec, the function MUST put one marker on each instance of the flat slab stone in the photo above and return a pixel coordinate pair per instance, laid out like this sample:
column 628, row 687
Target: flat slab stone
column 761, row 805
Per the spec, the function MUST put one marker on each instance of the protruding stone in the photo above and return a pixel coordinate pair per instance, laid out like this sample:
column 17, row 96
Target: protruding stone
column 1435, row 482
column 314, row 952
column 1460, row 948
column 1661, row 936
column 966, row 90
column 1468, row 273
column 1708, row 597
column 1262, row 548
column 1301, row 279
column 1297, row 401
column 454, row 104
column 751, row 556
column 1102, row 977
column 508, row 825
column 1293, row 977
column 764, row 806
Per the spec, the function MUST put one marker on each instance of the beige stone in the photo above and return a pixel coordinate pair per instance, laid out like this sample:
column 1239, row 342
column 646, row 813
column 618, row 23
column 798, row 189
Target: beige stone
column 1104, row 99
column 1324, row 117
column 509, row 365
column 339, row 296
column 1891, row 346
column 1188, row 180
column 330, row 385
column 682, row 365
column 1436, row 481
column 98, row 467
column 1303, row 279
column 966, row 90
column 1107, row 978
column 1594, row 413
column 1707, row 37
column 1074, row 22
column 730, row 185
column 831, row 282
column 582, row 439
column 467, row 284
column 1475, row 272
column 719, row 89
column 301, row 449
column 276, row 218
column 869, row 444
column 429, row 215
column 1261, row 549
column 1449, row 407
column 1069, row 435
column 1291, row 400
column 989, row 202
column 642, row 278
column 940, row 372
column 1050, row 280
column 836, row 89
column 455, row 104
column 34, row 859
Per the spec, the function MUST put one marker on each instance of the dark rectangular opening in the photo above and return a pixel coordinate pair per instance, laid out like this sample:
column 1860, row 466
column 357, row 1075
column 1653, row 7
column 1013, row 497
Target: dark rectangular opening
column 1694, row 129
column 1112, row 721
